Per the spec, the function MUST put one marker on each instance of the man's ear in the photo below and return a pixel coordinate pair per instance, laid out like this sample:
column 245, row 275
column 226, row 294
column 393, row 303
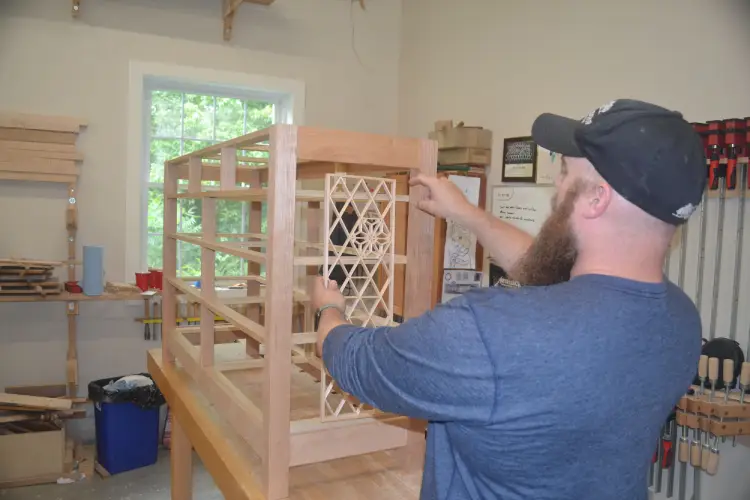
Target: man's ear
column 596, row 200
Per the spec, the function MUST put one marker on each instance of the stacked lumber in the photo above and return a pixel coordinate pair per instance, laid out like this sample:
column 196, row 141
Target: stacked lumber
column 21, row 413
column 24, row 409
column 462, row 145
column 39, row 148
column 28, row 277
column 33, row 444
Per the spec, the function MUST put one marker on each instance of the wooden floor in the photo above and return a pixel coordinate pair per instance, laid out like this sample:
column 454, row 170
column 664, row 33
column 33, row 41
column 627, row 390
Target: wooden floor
column 374, row 476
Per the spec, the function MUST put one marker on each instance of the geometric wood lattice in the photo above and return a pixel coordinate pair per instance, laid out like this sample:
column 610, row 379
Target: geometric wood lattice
column 365, row 263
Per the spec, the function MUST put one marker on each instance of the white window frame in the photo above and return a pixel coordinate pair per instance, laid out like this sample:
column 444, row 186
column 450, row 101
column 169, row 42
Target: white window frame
column 287, row 95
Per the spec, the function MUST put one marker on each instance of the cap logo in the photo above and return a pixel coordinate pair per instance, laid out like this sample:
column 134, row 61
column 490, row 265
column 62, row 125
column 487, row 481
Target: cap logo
column 685, row 212
column 598, row 111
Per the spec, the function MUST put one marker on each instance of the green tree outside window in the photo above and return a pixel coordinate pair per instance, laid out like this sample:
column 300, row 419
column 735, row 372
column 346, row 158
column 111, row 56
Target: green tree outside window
column 181, row 123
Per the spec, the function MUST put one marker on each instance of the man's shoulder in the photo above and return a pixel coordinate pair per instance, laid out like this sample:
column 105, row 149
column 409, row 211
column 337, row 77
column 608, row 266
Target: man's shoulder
column 578, row 289
column 587, row 293
column 681, row 298
column 488, row 302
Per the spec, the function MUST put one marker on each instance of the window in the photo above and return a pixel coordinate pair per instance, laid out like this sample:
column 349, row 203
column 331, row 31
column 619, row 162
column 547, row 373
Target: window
column 181, row 122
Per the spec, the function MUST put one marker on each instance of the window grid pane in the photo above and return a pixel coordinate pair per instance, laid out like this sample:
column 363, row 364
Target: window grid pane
column 204, row 119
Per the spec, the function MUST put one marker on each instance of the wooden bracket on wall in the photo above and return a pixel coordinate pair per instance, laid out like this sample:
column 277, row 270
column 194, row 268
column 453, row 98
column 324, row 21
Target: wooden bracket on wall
column 229, row 9
column 76, row 8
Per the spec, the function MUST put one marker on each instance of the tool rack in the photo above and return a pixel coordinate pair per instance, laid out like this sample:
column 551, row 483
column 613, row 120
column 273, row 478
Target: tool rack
column 37, row 148
column 711, row 416
column 283, row 403
column 725, row 144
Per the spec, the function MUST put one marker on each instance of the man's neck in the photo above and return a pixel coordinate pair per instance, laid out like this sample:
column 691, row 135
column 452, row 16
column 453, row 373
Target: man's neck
column 637, row 267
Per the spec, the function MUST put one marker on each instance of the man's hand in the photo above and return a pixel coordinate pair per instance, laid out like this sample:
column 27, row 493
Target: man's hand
column 324, row 294
column 444, row 199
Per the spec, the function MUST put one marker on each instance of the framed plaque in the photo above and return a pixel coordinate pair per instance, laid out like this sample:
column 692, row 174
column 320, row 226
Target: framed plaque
column 519, row 159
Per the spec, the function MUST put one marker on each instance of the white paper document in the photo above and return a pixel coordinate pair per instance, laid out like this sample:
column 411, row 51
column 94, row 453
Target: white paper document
column 460, row 243
column 526, row 207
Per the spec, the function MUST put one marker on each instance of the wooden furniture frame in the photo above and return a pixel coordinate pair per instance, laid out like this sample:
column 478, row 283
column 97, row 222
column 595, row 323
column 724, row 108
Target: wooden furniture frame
column 354, row 166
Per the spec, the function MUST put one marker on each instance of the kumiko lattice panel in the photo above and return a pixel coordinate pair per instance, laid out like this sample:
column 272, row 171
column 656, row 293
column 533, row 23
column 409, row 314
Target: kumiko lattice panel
column 359, row 253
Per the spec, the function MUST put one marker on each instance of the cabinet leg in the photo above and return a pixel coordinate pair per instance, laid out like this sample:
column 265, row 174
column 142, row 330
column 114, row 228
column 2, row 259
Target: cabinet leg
column 181, row 457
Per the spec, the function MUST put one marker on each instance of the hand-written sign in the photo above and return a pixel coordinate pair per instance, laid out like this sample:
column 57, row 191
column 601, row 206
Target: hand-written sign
column 526, row 207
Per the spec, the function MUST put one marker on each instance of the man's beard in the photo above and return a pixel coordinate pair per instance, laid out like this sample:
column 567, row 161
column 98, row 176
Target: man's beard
column 553, row 253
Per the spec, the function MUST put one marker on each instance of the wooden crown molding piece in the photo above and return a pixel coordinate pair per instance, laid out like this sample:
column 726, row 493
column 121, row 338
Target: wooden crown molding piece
column 230, row 9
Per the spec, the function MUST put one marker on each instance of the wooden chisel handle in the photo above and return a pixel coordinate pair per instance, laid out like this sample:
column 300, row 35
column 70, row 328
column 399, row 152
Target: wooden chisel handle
column 705, row 455
column 728, row 372
column 695, row 454
column 745, row 374
column 684, row 450
column 713, row 462
column 713, row 369
column 703, row 366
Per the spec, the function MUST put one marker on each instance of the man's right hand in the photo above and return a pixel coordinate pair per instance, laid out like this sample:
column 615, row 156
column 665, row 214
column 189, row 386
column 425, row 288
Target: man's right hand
column 444, row 198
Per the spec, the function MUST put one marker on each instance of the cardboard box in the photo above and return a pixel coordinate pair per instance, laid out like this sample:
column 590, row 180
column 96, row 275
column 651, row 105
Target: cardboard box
column 32, row 454
column 465, row 156
column 449, row 137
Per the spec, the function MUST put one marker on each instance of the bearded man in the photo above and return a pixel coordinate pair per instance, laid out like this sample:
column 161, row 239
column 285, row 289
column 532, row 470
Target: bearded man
column 558, row 389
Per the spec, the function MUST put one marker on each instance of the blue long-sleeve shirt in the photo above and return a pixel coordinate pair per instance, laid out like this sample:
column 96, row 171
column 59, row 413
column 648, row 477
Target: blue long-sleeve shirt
column 554, row 392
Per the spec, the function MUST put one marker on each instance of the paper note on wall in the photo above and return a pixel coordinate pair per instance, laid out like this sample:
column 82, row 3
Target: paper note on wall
column 460, row 243
column 526, row 207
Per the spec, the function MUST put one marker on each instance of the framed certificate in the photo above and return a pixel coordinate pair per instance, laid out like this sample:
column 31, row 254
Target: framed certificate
column 519, row 159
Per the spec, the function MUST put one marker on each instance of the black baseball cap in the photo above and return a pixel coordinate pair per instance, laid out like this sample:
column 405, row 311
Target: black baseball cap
column 650, row 155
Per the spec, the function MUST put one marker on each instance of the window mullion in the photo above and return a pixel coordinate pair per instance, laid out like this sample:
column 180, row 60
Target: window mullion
column 179, row 208
column 214, row 133
column 244, row 229
column 244, row 117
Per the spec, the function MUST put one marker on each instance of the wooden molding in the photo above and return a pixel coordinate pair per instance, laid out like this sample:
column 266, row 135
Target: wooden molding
column 229, row 9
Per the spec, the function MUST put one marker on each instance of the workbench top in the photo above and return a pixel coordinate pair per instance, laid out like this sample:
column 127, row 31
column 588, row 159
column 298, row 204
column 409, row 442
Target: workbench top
column 234, row 466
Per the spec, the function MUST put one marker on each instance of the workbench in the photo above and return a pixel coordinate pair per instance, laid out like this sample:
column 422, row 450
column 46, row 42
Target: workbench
column 234, row 466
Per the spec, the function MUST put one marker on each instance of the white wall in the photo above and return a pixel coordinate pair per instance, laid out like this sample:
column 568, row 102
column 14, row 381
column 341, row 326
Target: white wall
column 499, row 64
column 488, row 62
column 52, row 64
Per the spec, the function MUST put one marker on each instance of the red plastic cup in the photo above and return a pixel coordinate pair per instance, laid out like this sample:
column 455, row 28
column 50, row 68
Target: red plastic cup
column 156, row 278
column 141, row 281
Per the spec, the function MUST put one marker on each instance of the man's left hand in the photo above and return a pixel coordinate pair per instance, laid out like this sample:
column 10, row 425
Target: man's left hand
column 327, row 293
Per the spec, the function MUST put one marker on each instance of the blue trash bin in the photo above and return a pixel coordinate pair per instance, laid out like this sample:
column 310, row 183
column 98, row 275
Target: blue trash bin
column 127, row 425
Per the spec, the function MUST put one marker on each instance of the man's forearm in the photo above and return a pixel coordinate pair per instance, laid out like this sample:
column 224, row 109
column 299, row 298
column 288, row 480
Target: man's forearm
column 329, row 319
column 505, row 243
